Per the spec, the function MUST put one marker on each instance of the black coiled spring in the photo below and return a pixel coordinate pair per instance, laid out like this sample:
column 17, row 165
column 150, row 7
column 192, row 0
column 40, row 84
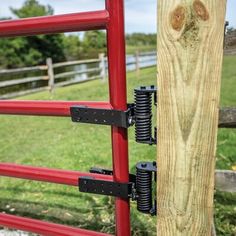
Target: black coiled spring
column 144, row 180
column 143, row 114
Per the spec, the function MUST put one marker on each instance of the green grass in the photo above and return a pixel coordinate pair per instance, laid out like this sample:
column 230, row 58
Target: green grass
column 134, row 49
column 225, row 210
column 59, row 143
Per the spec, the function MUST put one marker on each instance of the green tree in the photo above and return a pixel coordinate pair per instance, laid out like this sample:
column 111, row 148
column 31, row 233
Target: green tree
column 27, row 51
column 141, row 39
column 32, row 8
column 73, row 47
column 94, row 39
column 93, row 43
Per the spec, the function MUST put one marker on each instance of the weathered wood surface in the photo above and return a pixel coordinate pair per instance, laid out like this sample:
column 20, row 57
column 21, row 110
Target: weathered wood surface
column 22, row 81
column 225, row 180
column 73, row 73
column 74, row 63
column 75, row 81
column 51, row 77
column 102, row 66
column 190, row 51
column 227, row 117
column 21, row 70
column 230, row 52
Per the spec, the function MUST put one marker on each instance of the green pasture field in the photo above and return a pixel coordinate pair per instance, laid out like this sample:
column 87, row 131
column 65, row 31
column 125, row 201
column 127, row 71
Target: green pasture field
column 59, row 143
column 133, row 49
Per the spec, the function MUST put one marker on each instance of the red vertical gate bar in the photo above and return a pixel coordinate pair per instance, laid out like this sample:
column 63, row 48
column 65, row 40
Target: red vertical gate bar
column 117, row 90
column 118, row 100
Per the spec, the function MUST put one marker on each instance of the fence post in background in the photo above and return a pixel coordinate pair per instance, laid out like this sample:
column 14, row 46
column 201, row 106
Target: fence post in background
column 50, row 75
column 137, row 67
column 102, row 66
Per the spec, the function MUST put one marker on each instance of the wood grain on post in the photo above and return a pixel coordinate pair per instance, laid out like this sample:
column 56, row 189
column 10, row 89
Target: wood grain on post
column 190, row 50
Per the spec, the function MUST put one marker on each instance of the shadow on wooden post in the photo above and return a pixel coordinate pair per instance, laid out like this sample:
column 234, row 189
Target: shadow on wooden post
column 50, row 74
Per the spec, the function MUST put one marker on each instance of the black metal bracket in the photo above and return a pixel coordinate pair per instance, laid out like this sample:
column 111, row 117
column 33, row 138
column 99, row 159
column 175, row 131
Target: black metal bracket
column 83, row 114
column 108, row 188
column 139, row 187
column 138, row 113
column 101, row 171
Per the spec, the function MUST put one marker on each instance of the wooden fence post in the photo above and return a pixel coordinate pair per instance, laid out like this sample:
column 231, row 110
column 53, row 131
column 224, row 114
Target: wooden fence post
column 50, row 74
column 190, row 51
column 137, row 67
column 102, row 66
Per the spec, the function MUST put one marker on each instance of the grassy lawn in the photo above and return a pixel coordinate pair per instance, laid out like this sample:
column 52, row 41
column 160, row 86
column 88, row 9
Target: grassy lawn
column 59, row 143
column 134, row 49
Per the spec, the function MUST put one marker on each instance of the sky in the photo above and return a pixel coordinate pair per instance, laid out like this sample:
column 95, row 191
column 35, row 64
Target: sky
column 140, row 14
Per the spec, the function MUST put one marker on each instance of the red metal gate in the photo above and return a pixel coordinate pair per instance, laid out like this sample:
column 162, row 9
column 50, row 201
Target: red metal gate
column 111, row 19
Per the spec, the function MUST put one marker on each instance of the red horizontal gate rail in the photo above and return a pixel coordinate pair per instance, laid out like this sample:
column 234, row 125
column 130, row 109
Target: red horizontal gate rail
column 44, row 228
column 47, row 175
column 54, row 24
column 46, row 108
column 111, row 19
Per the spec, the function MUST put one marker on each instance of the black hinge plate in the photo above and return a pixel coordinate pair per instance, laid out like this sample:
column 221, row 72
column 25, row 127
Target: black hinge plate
column 101, row 116
column 108, row 188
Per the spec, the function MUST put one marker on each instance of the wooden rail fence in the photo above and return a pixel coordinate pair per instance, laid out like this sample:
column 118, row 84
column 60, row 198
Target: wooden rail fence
column 91, row 68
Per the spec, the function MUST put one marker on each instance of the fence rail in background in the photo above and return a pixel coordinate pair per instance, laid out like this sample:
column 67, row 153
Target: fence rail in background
column 230, row 51
column 25, row 69
column 8, row 83
column 82, row 71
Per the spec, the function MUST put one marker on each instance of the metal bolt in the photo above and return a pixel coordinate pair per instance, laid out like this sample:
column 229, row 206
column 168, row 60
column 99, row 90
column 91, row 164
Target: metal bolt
column 144, row 165
column 130, row 120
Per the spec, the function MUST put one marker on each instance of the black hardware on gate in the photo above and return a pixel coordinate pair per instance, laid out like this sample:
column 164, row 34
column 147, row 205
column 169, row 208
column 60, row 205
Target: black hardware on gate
column 145, row 173
column 143, row 114
column 117, row 118
column 138, row 113
column 109, row 188
column 139, row 188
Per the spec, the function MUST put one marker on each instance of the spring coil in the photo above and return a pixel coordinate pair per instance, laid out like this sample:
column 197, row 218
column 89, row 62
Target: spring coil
column 143, row 116
column 144, row 190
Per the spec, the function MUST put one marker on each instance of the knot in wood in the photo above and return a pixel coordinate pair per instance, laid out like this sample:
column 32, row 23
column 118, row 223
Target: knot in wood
column 200, row 10
column 178, row 17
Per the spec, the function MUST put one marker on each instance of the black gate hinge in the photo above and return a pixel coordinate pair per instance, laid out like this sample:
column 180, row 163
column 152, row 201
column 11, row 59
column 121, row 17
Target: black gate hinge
column 108, row 188
column 139, row 188
column 83, row 114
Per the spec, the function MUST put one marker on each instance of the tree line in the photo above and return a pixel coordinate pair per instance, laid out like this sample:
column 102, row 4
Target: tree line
column 30, row 51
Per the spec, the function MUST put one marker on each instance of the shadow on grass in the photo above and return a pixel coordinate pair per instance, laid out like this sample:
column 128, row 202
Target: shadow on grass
column 99, row 216
column 18, row 190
